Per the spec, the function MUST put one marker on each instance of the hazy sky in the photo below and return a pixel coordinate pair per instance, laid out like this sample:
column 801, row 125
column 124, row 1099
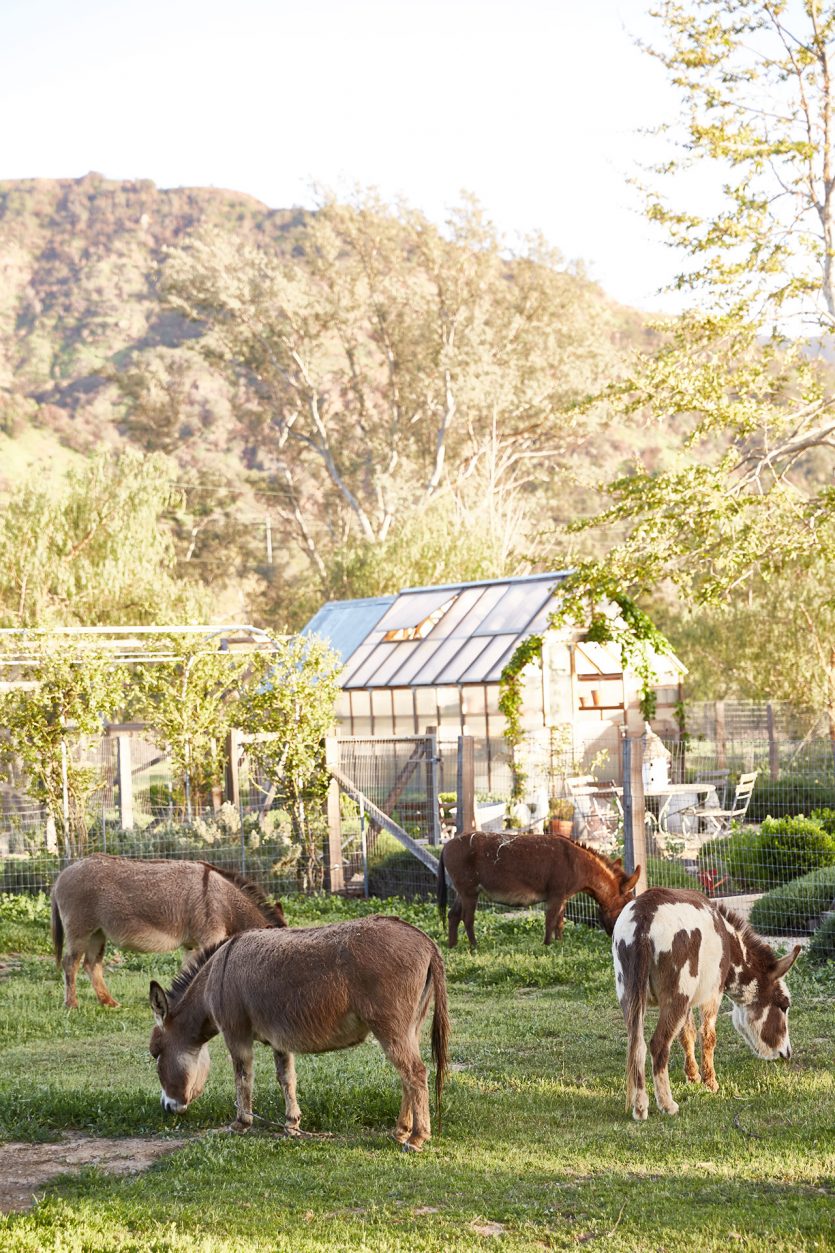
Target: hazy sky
column 531, row 104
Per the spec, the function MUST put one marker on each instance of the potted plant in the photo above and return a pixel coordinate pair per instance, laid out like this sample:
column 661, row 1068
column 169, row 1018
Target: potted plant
column 560, row 816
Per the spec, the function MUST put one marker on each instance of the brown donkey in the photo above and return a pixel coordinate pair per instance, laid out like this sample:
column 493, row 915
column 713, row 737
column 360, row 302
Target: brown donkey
column 526, row 869
column 148, row 906
column 306, row 990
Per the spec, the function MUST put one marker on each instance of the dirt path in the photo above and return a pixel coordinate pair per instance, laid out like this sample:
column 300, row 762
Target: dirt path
column 25, row 1168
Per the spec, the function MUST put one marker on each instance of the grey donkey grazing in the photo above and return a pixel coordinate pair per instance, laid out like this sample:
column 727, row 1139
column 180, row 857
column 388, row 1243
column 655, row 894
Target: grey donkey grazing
column 148, row 906
column 306, row 990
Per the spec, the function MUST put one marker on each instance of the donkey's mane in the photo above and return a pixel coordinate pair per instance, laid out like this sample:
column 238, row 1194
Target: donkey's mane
column 607, row 862
column 759, row 948
column 188, row 974
column 250, row 889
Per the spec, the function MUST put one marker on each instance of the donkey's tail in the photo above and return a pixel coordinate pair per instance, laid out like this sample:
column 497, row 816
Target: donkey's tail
column 57, row 932
column 440, row 1027
column 442, row 888
column 636, row 985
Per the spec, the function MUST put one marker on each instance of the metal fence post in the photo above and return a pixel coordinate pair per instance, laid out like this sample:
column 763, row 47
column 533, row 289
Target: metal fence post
column 634, row 810
column 465, row 786
column 123, row 766
column 432, row 785
column 334, row 867
column 364, row 847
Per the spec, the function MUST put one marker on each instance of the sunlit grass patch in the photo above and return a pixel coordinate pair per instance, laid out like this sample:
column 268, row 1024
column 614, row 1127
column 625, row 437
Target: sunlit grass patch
column 537, row 1151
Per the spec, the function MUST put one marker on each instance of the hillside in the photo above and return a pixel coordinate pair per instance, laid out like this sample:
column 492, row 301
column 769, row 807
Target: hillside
column 80, row 262
column 83, row 330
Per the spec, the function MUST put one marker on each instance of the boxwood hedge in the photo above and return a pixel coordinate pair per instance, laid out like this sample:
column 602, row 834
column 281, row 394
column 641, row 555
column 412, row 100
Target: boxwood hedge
column 796, row 908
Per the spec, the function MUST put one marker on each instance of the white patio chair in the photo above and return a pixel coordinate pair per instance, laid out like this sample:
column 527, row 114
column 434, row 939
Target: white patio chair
column 716, row 822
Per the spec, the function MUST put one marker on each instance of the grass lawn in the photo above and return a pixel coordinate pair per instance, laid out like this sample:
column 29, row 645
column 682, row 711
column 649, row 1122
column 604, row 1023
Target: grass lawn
column 537, row 1151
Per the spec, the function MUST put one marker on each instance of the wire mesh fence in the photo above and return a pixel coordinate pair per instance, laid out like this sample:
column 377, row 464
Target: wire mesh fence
column 749, row 820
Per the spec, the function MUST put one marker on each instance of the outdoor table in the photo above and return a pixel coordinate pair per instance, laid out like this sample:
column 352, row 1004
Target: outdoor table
column 673, row 798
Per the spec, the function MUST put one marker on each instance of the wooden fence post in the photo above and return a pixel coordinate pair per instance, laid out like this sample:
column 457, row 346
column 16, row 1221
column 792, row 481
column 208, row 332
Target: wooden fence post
column 719, row 708
column 773, row 749
column 125, row 775
column 432, row 785
column 634, row 809
column 232, row 780
column 334, row 866
column 465, row 786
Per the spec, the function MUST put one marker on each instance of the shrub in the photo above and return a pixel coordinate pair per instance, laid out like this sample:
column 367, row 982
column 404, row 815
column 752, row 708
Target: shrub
column 401, row 874
column 826, row 818
column 29, row 874
column 781, row 850
column 796, row 907
column 669, row 873
column 791, row 794
column 822, row 946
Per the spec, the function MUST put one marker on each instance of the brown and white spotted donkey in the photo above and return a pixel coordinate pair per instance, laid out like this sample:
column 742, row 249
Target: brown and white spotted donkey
column 676, row 949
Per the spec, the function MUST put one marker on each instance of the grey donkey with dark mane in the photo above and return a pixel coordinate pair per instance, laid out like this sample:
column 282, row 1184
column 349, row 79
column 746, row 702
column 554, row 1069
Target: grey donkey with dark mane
column 306, row 990
column 150, row 906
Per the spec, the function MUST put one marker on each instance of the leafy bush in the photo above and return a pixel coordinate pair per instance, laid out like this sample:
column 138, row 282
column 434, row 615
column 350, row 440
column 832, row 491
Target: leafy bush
column 822, row 946
column 29, row 874
column 669, row 873
column 782, row 849
column 791, row 794
column 796, row 907
column 401, row 874
column 826, row 818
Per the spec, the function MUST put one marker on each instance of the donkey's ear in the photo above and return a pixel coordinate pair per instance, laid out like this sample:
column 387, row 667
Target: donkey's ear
column 784, row 964
column 159, row 1003
column 627, row 883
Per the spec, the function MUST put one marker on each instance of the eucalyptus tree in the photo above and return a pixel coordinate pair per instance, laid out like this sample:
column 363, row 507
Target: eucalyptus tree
column 745, row 374
column 382, row 361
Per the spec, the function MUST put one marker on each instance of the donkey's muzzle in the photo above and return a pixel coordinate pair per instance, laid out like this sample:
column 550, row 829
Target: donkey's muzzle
column 170, row 1105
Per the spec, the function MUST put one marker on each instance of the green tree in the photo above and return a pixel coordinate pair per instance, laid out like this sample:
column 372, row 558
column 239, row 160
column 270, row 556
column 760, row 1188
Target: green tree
column 744, row 375
column 66, row 689
column 189, row 701
column 385, row 362
column 288, row 715
column 95, row 549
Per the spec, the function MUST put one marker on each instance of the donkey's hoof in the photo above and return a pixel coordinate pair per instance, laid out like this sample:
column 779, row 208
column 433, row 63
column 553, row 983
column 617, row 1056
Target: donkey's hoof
column 239, row 1128
column 693, row 1077
column 408, row 1147
column 670, row 1109
column 640, row 1110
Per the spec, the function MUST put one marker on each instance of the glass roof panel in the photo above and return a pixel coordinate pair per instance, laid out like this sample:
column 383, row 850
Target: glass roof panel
column 411, row 608
column 421, row 655
column 362, row 675
column 355, row 661
column 451, row 622
column 502, row 659
column 467, row 654
column 489, row 664
column 540, row 622
column 400, row 654
column 442, row 655
column 490, row 596
column 515, row 609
